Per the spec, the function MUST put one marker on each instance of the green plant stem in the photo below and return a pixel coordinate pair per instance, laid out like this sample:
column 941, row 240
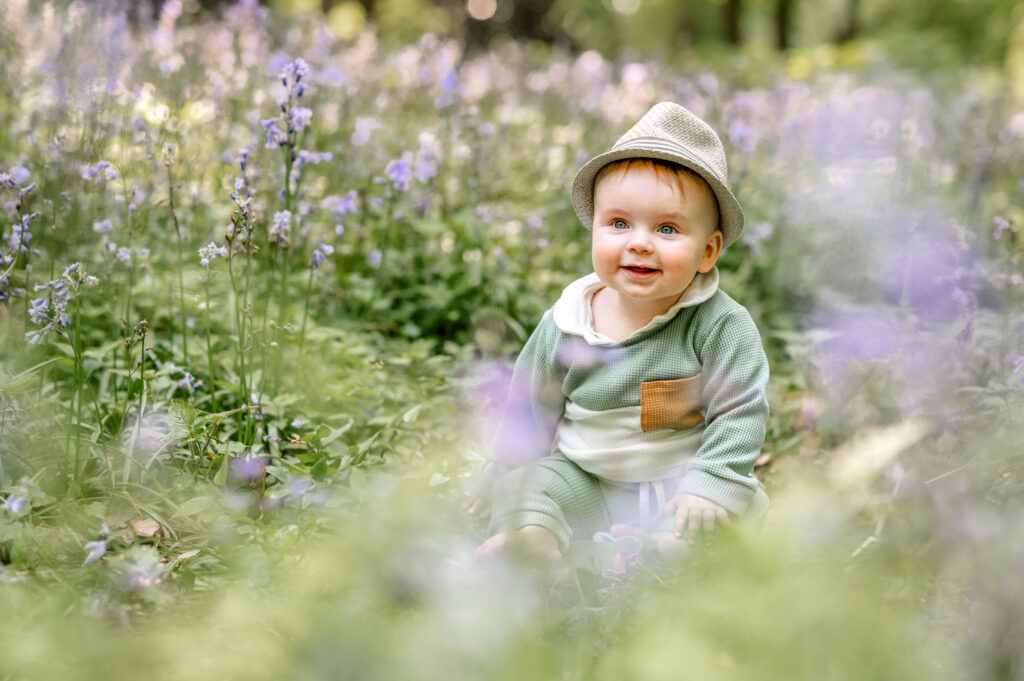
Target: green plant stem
column 181, row 263
column 305, row 310
column 209, row 345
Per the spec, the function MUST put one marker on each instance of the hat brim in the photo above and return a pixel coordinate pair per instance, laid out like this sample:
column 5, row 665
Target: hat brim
column 730, row 215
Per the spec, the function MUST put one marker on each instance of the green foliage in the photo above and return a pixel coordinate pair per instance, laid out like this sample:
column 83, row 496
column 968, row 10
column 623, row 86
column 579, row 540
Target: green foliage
column 243, row 451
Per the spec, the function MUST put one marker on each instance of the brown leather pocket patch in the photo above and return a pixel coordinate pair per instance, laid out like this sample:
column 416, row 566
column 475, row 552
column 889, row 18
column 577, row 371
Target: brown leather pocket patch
column 670, row 404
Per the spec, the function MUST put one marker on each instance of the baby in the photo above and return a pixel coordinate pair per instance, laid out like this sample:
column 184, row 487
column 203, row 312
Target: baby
column 638, row 404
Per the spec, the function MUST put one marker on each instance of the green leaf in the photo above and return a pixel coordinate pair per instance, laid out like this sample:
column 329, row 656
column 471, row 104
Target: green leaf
column 181, row 420
column 335, row 434
column 410, row 416
column 319, row 469
column 196, row 505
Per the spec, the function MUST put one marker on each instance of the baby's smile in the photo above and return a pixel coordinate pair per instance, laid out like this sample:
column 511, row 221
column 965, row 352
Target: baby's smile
column 640, row 271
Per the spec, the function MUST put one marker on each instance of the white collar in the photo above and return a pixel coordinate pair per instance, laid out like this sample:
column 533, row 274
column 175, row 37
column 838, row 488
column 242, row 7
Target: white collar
column 573, row 315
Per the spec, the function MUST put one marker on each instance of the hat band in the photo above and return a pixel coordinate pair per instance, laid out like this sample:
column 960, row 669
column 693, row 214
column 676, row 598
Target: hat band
column 666, row 146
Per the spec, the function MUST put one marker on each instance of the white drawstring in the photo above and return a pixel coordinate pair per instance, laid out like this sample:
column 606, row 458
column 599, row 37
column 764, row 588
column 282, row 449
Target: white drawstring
column 646, row 515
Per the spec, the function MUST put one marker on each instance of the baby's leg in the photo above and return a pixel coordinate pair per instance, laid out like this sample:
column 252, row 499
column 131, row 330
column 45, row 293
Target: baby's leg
column 532, row 542
column 550, row 499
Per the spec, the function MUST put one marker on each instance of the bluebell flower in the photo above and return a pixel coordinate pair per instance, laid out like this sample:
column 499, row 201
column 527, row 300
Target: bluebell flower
column 400, row 172
column 294, row 71
column 15, row 502
column 1002, row 224
column 19, row 174
column 123, row 254
column 299, row 118
column 320, row 254
column 103, row 226
column 188, row 381
column 37, row 312
column 340, row 205
column 1018, row 365
column 373, row 258
column 6, row 180
column 96, row 172
column 211, row 251
column 282, row 226
column 426, row 166
column 96, row 550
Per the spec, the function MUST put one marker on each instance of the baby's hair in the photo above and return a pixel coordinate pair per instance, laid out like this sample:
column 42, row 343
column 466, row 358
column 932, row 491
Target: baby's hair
column 666, row 171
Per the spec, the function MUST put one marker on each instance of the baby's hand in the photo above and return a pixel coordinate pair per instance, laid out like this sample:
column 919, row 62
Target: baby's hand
column 693, row 513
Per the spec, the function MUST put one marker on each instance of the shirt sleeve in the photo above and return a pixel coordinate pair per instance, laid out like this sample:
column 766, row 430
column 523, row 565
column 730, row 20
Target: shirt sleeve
column 734, row 394
column 535, row 401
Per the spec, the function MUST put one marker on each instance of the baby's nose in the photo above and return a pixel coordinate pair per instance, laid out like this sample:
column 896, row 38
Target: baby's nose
column 640, row 241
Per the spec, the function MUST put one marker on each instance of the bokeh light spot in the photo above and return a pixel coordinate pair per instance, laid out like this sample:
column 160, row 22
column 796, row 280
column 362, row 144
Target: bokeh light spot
column 346, row 20
column 481, row 10
column 626, row 6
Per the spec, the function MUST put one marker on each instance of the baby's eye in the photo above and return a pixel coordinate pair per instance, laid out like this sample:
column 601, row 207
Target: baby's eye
column 619, row 224
column 667, row 229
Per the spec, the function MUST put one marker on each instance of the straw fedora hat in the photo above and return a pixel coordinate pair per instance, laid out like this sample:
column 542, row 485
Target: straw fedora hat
column 670, row 133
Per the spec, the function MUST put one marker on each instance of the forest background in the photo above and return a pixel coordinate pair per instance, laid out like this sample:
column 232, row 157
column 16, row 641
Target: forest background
column 265, row 266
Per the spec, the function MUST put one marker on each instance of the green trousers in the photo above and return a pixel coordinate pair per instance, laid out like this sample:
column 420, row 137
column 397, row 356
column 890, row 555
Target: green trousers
column 553, row 493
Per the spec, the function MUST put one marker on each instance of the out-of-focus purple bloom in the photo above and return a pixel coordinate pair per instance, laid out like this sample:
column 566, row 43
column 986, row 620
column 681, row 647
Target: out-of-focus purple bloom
column 426, row 166
column 709, row 83
column 15, row 502
column 96, row 172
column 363, row 128
column 400, row 171
column 1002, row 224
column 188, row 381
column 373, row 258
column 340, row 205
column 742, row 137
column 123, row 254
column 96, row 550
column 138, row 569
column 755, row 235
column 19, row 174
column 1018, row 365
column 320, row 254
column 449, row 88
column 579, row 353
column 281, row 227
column 483, row 212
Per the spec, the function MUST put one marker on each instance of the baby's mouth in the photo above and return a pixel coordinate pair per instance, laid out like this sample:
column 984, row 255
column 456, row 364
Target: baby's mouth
column 639, row 269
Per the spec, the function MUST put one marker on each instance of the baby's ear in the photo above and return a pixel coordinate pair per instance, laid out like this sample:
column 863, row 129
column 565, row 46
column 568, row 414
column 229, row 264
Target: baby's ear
column 712, row 249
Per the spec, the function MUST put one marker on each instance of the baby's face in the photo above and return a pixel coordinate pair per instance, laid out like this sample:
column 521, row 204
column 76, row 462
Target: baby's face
column 649, row 238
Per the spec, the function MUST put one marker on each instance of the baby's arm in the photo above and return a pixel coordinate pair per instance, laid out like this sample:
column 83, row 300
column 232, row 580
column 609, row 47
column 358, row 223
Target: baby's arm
column 735, row 378
column 534, row 403
column 529, row 417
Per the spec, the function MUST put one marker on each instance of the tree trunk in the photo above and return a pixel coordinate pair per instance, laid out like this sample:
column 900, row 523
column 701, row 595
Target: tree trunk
column 783, row 16
column 733, row 16
column 849, row 30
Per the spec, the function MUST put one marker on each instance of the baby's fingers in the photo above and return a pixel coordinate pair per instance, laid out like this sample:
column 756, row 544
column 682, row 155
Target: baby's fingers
column 681, row 518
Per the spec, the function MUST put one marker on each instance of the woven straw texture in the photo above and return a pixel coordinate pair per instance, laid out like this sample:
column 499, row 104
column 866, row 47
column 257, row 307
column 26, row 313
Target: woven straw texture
column 668, row 132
